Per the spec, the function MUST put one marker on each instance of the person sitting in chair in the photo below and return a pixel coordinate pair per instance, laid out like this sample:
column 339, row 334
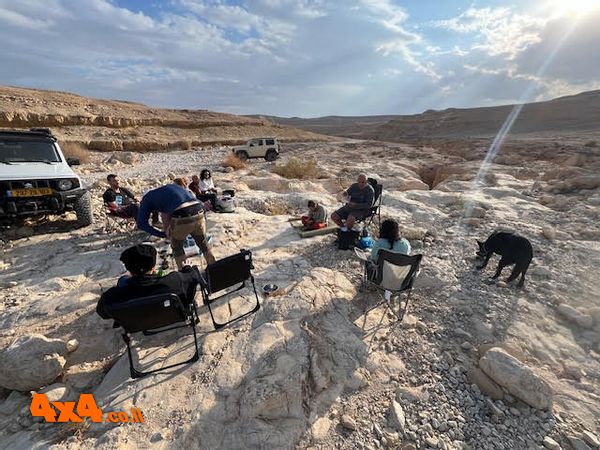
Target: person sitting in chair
column 389, row 239
column 140, row 260
column 204, row 188
column 360, row 197
column 316, row 218
column 120, row 201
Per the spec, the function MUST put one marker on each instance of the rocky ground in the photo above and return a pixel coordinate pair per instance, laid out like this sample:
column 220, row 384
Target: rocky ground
column 475, row 363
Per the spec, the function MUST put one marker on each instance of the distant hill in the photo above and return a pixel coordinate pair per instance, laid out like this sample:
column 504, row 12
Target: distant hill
column 351, row 126
column 574, row 113
column 112, row 125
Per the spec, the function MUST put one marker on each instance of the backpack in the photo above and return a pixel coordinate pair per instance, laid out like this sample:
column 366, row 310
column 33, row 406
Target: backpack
column 347, row 239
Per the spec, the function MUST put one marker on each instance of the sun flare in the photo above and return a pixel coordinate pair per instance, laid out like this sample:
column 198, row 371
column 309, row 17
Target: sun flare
column 575, row 6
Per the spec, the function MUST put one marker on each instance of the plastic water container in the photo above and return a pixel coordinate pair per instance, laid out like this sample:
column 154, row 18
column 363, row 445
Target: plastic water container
column 189, row 246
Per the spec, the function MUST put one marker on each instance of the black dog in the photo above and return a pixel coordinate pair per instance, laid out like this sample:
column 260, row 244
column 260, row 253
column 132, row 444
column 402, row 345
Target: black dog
column 512, row 248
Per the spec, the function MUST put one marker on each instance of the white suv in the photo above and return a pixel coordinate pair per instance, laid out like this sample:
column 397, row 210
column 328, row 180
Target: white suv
column 267, row 148
column 36, row 179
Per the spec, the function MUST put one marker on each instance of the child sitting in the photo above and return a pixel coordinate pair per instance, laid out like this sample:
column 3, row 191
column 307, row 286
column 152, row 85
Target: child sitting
column 316, row 218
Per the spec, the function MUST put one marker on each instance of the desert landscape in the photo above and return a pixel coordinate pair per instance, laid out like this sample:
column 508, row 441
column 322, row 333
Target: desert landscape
column 475, row 364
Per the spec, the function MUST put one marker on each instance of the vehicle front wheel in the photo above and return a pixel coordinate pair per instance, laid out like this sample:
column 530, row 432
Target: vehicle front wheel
column 241, row 155
column 83, row 210
column 271, row 155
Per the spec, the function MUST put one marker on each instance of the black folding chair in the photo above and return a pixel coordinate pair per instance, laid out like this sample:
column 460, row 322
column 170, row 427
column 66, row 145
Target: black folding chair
column 392, row 274
column 375, row 209
column 224, row 274
column 114, row 223
column 152, row 315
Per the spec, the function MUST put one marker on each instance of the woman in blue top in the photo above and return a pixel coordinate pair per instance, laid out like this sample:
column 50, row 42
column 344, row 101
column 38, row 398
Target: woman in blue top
column 389, row 239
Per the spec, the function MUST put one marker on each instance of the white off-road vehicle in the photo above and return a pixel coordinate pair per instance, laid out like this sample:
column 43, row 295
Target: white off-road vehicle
column 36, row 179
column 267, row 148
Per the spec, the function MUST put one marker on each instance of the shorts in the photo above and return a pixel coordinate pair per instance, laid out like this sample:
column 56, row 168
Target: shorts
column 345, row 211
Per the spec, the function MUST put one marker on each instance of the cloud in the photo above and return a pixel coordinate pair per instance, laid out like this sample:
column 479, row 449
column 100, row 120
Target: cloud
column 498, row 31
column 290, row 57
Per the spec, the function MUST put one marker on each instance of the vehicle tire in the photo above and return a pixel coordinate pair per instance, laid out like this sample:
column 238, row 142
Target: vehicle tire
column 241, row 155
column 83, row 210
column 271, row 155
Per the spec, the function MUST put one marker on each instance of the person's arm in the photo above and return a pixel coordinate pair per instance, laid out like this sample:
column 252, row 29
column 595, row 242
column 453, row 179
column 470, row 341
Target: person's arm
column 109, row 200
column 319, row 215
column 129, row 194
column 143, row 219
column 100, row 307
column 374, row 250
column 407, row 244
column 190, row 278
column 194, row 188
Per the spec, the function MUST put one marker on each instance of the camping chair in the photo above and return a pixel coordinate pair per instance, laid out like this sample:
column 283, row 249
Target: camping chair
column 375, row 209
column 152, row 315
column 392, row 274
column 224, row 274
column 115, row 223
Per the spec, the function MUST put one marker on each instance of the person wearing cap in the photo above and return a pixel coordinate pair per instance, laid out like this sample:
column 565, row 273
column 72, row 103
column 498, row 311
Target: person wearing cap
column 140, row 261
column 182, row 214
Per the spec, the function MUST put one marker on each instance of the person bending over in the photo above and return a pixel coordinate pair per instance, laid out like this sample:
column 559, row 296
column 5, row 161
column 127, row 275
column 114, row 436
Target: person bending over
column 140, row 260
column 182, row 215
column 360, row 197
column 316, row 218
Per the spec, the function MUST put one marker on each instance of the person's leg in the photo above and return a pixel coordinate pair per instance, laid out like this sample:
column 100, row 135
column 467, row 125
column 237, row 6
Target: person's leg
column 200, row 238
column 350, row 221
column 128, row 212
column 317, row 225
column 179, row 231
column 339, row 216
column 212, row 198
column 305, row 220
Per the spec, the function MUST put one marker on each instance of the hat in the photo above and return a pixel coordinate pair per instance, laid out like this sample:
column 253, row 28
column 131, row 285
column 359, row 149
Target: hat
column 139, row 259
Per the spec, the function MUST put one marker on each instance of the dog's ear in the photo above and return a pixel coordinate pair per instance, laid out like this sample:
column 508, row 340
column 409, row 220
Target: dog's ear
column 479, row 243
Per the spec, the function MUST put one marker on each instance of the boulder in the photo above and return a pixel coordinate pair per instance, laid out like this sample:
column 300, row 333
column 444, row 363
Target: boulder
column 124, row 157
column 413, row 184
column 591, row 439
column 397, row 417
column 486, row 385
column 575, row 316
column 57, row 392
column 577, row 443
column 320, row 428
column 516, row 378
column 31, row 362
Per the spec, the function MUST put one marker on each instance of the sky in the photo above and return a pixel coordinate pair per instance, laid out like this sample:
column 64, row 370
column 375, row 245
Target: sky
column 304, row 58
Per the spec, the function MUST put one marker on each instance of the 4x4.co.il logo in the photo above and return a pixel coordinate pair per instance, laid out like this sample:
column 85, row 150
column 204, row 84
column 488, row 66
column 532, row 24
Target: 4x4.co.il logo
column 76, row 411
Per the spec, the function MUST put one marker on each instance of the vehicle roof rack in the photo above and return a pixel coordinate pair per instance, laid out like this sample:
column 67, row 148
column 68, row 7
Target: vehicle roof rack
column 40, row 133
column 41, row 130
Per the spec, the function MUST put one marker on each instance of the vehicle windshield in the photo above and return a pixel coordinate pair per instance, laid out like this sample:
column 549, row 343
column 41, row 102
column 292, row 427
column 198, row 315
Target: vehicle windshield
column 24, row 151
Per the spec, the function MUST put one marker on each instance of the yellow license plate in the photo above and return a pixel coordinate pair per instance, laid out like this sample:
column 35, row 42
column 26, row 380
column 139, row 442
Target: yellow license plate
column 32, row 192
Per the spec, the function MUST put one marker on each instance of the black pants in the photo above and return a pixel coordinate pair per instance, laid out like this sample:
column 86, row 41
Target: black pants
column 212, row 198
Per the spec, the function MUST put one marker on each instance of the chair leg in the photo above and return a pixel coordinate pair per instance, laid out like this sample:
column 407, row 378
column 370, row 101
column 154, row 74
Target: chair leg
column 405, row 309
column 132, row 370
column 218, row 325
column 135, row 373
